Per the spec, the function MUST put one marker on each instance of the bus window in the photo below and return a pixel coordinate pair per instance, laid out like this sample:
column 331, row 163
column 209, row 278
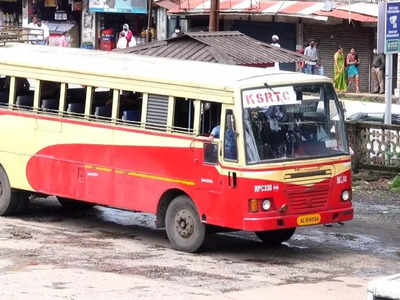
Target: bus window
column 4, row 90
column 183, row 115
column 24, row 90
column 130, row 107
column 210, row 117
column 102, row 103
column 230, row 141
column 157, row 112
column 49, row 96
column 75, row 100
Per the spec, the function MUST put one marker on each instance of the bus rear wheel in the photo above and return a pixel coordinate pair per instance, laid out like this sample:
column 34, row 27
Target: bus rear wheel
column 11, row 201
column 74, row 205
column 184, row 228
column 275, row 237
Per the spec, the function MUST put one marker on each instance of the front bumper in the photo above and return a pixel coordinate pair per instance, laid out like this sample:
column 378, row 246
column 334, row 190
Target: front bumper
column 290, row 221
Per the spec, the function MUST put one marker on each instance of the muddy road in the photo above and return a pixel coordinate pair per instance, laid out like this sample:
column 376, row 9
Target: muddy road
column 105, row 253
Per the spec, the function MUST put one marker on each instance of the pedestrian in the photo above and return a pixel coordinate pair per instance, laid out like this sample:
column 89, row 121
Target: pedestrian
column 300, row 65
column 377, row 72
column 312, row 54
column 177, row 32
column 353, row 62
column 275, row 43
column 339, row 71
column 126, row 38
column 40, row 32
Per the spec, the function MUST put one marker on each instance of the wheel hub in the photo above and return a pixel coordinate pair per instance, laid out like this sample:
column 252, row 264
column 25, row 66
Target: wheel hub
column 184, row 223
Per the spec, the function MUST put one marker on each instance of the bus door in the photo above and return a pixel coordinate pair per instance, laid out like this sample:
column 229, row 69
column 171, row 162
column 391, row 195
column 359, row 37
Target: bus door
column 207, row 159
column 229, row 168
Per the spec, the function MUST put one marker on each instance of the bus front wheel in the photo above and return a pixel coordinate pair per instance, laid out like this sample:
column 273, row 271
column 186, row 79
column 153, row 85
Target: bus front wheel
column 275, row 237
column 184, row 228
column 11, row 201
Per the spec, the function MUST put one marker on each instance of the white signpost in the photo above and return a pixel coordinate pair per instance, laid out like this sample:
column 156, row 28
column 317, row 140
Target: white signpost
column 388, row 43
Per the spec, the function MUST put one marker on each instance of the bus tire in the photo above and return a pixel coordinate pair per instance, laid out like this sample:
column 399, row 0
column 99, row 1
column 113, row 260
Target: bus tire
column 275, row 237
column 11, row 201
column 74, row 205
column 184, row 228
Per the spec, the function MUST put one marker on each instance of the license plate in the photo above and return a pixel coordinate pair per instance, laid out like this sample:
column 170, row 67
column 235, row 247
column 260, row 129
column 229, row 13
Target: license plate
column 308, row 219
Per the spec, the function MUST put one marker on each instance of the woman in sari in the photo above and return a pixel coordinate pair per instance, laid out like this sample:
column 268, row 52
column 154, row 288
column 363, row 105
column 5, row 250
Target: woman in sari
column 352, row 70
column 339, row 73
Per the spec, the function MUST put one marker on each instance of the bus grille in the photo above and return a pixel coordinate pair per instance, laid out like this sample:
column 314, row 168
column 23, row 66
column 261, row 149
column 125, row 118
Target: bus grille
column 302, row 199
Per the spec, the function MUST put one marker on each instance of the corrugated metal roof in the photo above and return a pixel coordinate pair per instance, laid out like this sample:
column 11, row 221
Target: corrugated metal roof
column 229, row 47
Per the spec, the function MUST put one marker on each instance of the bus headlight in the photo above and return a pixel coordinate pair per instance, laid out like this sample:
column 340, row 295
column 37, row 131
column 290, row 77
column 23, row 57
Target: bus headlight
column 346, row 195
column 266, row 204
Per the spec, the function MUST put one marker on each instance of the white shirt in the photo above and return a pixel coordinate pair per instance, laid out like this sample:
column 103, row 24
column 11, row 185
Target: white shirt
column 37, row 33
column 276, row 65
column 312, row 53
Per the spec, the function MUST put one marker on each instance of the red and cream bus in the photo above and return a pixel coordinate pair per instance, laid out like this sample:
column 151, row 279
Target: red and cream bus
column 133, row 132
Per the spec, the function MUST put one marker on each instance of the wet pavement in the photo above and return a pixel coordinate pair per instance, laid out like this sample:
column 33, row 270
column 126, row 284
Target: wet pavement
column 49, row 254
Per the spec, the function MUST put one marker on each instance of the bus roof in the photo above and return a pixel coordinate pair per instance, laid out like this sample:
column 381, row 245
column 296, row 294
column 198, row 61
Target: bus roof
column 160, row 70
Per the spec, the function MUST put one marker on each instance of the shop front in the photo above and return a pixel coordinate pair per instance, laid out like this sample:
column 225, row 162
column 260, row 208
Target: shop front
column 10, row 12
column 63, row 18
column 108, row 17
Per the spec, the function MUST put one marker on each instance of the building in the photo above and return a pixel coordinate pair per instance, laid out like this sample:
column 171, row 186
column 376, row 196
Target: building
column 295, row 22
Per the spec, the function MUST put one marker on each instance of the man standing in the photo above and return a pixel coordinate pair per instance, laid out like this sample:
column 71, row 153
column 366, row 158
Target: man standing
column 377, row 71
column 275, row 43
column 312, row 53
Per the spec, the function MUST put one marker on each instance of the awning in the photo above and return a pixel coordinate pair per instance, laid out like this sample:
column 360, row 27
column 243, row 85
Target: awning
column 342, row 14
column 299, row 9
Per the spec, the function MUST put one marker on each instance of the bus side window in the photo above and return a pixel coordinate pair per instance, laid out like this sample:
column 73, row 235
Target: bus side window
column 102, row 104
column 210, row 117
column 24, row 92
column 75, row 99
column 49, row 96
column 4, row 90
column 130, row 107
column 183, row 115
column 230, row 140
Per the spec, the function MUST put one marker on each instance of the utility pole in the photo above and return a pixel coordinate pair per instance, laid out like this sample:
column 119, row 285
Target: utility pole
column 149, row 10
column 213, row 19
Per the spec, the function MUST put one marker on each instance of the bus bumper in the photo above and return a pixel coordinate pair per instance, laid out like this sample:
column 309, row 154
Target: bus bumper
column 290, row 221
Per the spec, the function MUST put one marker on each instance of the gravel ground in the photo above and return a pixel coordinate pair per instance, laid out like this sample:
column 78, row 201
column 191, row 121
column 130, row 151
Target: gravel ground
column 48, row 254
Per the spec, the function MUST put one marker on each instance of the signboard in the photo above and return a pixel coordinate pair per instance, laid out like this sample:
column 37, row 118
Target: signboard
column 389, row 27
column 392, row 31
column 269, row 96
column 118, row 6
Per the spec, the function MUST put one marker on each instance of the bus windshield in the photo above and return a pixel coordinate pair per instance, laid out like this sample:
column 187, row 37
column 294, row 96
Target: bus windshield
column 292, row 122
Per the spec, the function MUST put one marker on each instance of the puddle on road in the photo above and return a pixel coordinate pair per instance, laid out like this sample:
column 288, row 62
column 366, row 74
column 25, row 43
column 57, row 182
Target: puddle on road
column 125, row 218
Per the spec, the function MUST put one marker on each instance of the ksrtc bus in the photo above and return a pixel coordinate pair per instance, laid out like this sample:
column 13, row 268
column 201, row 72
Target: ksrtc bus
column 134, row 132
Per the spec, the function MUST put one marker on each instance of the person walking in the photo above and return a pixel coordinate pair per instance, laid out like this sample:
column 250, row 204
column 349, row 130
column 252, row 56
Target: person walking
column 312, row 53
column 339, row 71
column 353, row 61
column 377, row 72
